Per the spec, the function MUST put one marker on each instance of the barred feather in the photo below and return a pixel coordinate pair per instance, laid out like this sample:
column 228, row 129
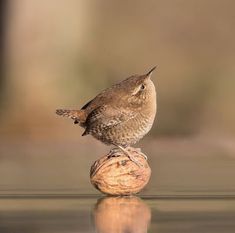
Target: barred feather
column 76, row 115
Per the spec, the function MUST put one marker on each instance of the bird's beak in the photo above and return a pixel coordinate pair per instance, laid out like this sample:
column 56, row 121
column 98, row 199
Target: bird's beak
column 150, row 72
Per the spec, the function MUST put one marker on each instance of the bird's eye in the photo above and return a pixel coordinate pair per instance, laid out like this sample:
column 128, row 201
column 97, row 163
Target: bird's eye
column 142, row 87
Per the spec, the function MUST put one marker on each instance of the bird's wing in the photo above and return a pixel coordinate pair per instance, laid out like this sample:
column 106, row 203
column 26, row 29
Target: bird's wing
column 105, row 117
column 103, row 98
column 87, row 104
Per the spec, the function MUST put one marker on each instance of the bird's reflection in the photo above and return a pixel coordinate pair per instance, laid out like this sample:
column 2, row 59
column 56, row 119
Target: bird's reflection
column 121, row 215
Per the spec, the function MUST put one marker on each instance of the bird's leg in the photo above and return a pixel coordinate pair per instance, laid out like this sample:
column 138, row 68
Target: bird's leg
column 129, row 155
column 114, row 152
column 137, row 150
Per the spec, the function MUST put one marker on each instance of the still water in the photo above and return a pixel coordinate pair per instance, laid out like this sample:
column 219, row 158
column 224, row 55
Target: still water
column 116, row 215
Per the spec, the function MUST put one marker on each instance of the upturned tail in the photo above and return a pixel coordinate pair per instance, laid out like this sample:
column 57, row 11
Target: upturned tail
column 78, row 116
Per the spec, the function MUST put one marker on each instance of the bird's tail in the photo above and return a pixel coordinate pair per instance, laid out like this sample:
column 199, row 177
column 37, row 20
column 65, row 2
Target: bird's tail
column 78, row 116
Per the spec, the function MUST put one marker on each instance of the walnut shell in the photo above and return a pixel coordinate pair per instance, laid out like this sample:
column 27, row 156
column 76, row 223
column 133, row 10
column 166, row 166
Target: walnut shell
column 116, row 174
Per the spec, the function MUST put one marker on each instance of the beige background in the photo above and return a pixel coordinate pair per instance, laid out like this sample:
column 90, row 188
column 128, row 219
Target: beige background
column 62, row 53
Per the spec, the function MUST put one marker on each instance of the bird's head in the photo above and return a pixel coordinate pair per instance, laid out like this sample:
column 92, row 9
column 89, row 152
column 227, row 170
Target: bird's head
column 139, row 89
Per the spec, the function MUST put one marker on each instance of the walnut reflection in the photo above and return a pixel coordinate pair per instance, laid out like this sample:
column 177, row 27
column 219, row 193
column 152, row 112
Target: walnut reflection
column 121, row 215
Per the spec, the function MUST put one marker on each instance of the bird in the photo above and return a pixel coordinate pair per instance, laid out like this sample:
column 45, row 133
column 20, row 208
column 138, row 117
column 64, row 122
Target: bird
column 120, row 115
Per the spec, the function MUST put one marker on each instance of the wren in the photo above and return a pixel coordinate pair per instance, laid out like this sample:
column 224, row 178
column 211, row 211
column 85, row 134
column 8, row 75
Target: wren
column 121, row 114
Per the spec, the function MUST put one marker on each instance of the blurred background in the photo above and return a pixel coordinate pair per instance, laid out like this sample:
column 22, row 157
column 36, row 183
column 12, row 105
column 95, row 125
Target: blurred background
column 61, row 53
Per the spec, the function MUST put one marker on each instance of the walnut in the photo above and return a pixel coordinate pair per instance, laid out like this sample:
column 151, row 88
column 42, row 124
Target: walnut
column 116, row 174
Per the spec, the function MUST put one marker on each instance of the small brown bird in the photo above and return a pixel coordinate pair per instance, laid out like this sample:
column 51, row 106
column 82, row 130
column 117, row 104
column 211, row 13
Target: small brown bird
column 120, row 115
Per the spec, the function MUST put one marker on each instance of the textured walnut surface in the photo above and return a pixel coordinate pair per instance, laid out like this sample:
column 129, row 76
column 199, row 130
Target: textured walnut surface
column 116, row 174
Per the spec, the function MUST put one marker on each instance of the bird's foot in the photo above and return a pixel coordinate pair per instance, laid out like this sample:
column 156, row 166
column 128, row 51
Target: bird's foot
column 115, row 152
column 132, row 158
column 136, row 150
column 129, row 153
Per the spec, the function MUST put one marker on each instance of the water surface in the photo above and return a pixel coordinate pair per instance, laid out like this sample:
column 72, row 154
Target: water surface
column 116, row 215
